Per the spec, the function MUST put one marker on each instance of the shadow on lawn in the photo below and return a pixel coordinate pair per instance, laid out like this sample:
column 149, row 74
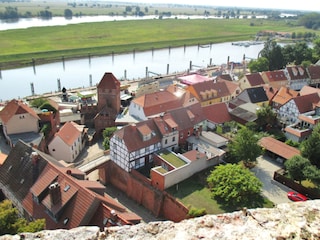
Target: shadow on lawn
column 256, row 201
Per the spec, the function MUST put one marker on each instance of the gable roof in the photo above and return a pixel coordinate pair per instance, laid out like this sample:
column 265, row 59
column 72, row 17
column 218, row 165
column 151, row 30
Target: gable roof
column 314, row 71
column 297, row 72
column 21, row 169
column 254, row 79
column 158, row 102
column 69, row 200
column 70, row 132
column 16, row 107
column 131, row 135
column 221, row 88
column 217, row 113
column 109, row 81
column 284, row 95
column 280, row 148
column 275, row 76
column 306, row 103
column 305, row 90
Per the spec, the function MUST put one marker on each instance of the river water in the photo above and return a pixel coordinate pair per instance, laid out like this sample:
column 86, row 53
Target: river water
column 16, row 83
column 22, row 82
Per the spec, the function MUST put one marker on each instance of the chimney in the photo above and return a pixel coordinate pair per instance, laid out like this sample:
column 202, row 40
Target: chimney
column 55, row 193
column 35, row 166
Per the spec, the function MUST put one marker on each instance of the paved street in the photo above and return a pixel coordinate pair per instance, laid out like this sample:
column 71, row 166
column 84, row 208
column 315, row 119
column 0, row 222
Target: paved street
column 274, row 191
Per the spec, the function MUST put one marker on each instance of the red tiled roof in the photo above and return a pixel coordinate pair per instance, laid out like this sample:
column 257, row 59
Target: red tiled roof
column 77, row 204
column 217, row 113
column 314, row 71
column 254, row 79
column 277, row 75
column 16, row 107
column 132, row 137
column 284, row 95
column 194, row 155
column 297, row 72
column 70, row 132
column 278, row 147
column 109, row 81
column 158, row 102
column 305, row 90
column 306, row 103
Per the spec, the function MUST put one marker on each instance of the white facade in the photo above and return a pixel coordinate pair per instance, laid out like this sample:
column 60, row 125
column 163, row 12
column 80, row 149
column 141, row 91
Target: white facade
column 21, row 123
column 171, row 140
column 61, row 150
column 135, row 110
column 289, row 112
column 120, row 154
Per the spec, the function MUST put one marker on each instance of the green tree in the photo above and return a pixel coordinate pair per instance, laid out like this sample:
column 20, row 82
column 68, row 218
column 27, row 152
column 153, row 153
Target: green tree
column 11, row 223
column 310, row 148
column 272, row 51
column 266, row 117
column 244, row 147
column 233, row 184
column 107, row 133
column 68, row 13
column 295, row 166
column 259, row 65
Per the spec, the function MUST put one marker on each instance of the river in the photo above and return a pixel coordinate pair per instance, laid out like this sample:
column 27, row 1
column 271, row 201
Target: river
column 22, row 82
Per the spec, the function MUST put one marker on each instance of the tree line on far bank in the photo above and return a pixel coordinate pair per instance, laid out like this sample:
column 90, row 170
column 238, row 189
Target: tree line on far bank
column 275, row 57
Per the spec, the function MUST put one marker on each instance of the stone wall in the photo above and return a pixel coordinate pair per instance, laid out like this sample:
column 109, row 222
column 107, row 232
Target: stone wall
column 300, row 220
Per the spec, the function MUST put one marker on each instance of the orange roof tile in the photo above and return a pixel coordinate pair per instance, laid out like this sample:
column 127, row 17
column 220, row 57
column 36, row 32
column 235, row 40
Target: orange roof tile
column 3, row 157
column 217, row 113
column 278, row 147
column 284, row 95
column 16, row 107
column 70, row 132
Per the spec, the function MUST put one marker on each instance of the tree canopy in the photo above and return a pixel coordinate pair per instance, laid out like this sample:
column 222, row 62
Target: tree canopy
column 266, row 117
column 310, row 148
column 11, row 223
column 107, row 133
column 233, row 184
column 244, row 146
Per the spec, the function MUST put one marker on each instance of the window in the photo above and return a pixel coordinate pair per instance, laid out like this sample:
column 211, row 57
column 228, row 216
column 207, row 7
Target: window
column 166, row 141
column 173, row 139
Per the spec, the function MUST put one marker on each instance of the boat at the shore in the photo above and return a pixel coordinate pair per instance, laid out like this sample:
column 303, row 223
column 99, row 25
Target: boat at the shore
column 247, row 43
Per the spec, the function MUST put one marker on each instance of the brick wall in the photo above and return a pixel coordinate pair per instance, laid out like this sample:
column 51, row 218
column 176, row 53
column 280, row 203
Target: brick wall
column 160, row 203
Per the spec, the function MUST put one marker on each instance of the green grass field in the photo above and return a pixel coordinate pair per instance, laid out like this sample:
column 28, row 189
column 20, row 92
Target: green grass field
column 47, row 44
column 193, row 192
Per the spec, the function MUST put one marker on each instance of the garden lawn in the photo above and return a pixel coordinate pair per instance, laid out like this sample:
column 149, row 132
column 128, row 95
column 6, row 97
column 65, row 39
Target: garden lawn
column 193, row 192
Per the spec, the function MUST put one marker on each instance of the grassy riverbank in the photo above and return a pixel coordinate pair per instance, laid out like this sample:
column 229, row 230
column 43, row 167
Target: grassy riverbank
column 48, row 44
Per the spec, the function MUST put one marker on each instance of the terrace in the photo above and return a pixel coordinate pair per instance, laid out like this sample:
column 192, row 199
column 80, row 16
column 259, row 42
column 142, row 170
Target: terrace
column 172, row 159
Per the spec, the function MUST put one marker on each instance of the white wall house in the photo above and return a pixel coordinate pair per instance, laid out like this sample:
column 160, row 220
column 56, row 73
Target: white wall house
column 18, row 117
column 68, row 142
column 132, row 146
column 290, row 111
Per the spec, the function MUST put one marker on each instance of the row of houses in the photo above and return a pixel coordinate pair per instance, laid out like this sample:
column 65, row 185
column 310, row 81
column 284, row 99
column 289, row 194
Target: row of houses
column 167, row 136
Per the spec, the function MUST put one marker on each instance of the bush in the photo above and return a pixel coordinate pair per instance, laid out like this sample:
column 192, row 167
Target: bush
column 197, row 212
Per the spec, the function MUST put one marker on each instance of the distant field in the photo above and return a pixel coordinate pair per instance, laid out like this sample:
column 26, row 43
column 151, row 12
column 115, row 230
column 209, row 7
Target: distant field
column 103, row 8
column 103, row 38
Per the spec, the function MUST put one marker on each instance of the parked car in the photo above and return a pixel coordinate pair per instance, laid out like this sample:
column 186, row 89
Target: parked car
column 296, row 197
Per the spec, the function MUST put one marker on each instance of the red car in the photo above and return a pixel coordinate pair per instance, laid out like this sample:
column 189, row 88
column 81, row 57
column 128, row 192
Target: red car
column 296, row 197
